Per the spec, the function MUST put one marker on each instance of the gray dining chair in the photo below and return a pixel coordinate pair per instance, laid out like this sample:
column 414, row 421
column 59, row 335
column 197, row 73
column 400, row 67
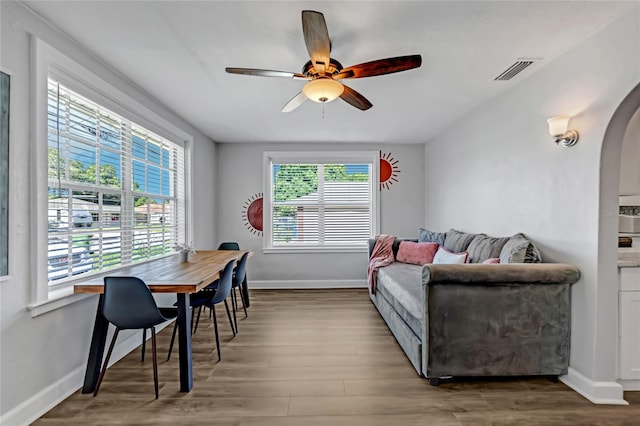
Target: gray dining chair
column 217, row 293
column 242, row 286
column 128, row 304
column 239, row 275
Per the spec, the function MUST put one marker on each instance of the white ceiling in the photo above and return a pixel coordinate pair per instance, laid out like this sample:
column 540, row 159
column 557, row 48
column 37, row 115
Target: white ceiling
column 177, row 52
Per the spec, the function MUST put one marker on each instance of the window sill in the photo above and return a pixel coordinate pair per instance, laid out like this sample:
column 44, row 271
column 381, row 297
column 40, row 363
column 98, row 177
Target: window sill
column 303, row 250
column 57, row 299
column 64, row 295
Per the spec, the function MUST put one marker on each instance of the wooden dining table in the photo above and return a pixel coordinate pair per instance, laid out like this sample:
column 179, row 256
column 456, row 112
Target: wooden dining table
column 164, row 275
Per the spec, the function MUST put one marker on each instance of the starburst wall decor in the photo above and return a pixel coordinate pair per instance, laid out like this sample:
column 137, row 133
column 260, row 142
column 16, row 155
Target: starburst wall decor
column 388, row 170
column 252, row 214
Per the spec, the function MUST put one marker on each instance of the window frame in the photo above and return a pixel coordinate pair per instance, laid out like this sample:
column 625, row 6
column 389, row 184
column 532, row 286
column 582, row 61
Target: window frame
column 50, row 63
column 5, row 163
column 314, row 157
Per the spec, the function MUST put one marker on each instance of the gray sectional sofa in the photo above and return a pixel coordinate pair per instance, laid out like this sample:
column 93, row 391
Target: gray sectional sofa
column 507, row 319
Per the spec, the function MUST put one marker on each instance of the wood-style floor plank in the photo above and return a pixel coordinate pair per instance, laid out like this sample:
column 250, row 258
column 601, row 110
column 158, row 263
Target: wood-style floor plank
column 318, row 358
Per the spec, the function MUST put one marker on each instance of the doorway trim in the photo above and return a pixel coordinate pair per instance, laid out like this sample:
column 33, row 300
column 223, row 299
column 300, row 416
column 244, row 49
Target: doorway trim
column 607, row 289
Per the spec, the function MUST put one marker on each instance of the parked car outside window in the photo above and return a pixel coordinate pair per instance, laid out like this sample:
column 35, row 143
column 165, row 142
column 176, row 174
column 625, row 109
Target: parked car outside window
column 82, row 218
column 58, row 260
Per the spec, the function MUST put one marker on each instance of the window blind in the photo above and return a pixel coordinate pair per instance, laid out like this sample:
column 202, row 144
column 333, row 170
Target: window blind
column 321, row 204
column 116, row 191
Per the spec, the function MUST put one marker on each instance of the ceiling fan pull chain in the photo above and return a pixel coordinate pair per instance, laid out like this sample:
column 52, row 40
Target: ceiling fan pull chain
column 323, row 110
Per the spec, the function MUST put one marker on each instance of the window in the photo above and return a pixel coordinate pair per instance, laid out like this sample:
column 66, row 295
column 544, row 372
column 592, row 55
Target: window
column 116, row 190
column 320, row 201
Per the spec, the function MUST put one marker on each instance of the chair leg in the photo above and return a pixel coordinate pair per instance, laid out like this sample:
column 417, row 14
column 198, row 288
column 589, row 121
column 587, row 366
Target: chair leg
column 144, row 342
column 173, row 338
column 234, row 303
column 215, row 328
column 233, row 329
column 244, row 302
column 244, row 288
column 106, row 361
column 155, row 360
column 197, row 319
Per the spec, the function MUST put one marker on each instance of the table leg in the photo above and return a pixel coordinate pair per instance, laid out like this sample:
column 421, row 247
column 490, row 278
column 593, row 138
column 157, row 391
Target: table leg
column 96, row 350
column 184, row 342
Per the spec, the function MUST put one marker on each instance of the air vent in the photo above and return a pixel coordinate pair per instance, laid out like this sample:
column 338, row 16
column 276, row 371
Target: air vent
column 515, row 69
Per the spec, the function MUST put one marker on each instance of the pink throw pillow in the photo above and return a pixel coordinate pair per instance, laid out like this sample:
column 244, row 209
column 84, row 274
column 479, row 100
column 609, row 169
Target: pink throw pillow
column 416, row 253
column 444, row 256
column 492, row 261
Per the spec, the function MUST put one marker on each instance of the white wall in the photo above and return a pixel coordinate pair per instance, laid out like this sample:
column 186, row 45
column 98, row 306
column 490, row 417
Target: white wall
column 503, row 175
column 630, row 160
column 240, row 176
column 42, row 358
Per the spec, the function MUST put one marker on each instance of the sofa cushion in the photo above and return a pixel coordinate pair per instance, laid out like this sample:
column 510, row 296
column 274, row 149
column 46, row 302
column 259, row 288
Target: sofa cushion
column 401, row 285
column 426, row 236
column 416, row 253
column 457, row 241
column 444, row 256
column 483, row 247
column 520, row 250
column 396, row 245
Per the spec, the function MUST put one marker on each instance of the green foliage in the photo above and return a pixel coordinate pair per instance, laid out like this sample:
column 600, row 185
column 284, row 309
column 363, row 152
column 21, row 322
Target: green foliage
column 108, row 175
column 54, row 166
column 78, row 172
column 338, row 173
column 294, row 181
column 141, row 201
column 297, row 180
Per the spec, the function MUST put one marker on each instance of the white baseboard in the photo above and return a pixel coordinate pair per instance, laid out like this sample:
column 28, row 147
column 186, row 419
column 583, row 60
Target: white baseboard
column 36, row 406
column 630, row 385
column 299, row 284
column 597, row 392
column 31, row 409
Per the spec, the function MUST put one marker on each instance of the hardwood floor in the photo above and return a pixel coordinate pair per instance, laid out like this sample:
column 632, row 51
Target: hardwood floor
column 318, row 358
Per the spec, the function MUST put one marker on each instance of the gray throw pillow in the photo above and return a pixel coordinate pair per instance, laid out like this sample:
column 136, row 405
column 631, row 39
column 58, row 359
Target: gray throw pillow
column 483, row 247
column 520, row 250
column 457, row 241
column 426, row 236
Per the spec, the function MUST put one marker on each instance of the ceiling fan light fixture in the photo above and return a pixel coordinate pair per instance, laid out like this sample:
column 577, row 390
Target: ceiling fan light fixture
column 323, row 90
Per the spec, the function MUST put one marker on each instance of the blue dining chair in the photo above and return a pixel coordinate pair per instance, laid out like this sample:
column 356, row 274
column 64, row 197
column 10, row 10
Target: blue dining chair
column 238, row 278
column 229, row 245
column 128, row 304
column 198, row 300
column 212, row 297
column 242, row 285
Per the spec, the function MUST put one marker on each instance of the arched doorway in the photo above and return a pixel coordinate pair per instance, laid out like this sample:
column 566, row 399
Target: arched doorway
column 607, row 289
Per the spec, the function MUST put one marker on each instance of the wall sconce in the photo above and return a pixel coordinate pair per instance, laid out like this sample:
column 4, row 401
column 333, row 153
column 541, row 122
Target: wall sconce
column 558, row 128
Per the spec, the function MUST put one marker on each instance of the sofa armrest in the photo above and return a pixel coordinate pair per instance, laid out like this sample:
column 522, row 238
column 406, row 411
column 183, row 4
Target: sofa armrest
column 505, row 319
column 372, row 243
column 515, row 273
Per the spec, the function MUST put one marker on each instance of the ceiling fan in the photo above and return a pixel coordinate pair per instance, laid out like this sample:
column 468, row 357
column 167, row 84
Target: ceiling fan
column 324, row 72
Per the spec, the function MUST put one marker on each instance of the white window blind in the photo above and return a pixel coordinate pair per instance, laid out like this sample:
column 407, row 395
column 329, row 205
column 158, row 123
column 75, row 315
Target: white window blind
column 320, row 202
column 116, row 191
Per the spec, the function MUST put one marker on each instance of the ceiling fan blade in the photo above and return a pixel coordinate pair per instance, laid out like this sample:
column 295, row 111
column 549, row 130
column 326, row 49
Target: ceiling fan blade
column 266, row 73
column 381, row 67
column 354, row 98
column 295, row 102
column 316, row 37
